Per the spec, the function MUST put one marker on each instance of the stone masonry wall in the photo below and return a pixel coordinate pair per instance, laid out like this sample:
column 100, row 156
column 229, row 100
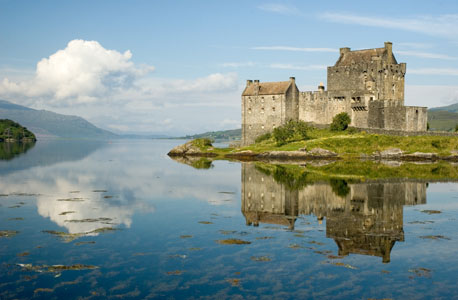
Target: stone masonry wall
column 260, row 114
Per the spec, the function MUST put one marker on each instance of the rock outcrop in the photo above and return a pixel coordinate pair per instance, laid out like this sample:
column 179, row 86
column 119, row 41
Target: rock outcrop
column 189, row 149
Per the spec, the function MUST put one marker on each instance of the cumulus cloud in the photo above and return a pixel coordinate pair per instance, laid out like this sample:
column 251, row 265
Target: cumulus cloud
column 82, row 72
column 107, row 88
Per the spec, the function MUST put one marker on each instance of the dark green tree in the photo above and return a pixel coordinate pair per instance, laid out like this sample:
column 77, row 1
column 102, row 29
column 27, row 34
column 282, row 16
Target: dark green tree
column 340, row 122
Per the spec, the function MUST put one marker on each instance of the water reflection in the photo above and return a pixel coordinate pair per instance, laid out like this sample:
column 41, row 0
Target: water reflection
column 45, row 153
column 10, row 150
column 362, row 217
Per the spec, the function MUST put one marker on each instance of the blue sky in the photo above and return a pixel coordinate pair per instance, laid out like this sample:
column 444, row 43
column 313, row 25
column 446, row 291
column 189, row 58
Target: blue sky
column 178, row 67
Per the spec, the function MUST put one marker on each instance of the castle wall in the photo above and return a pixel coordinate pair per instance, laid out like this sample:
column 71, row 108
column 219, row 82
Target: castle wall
column 385, row 81
column 261, row 114
column 320, row 107
column 416, row 118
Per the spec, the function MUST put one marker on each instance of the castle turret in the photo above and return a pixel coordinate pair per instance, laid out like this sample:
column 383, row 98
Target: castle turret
column 389, row 52
column 321, row 87
column 344, row 50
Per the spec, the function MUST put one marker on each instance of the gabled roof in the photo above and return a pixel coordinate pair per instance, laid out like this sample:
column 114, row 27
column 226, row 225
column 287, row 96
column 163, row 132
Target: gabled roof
column 363, row 56
column 267, row 88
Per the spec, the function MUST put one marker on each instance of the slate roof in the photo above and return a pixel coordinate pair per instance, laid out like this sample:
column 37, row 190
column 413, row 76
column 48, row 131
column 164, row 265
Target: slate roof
column 363, row 56
column 267, row 88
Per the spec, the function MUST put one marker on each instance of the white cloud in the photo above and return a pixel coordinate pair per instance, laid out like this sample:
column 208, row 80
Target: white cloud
column 426, row 55
column 443, row 25
column 81, row 73
column 279, row 9
column 107, row 88
column 288, row 48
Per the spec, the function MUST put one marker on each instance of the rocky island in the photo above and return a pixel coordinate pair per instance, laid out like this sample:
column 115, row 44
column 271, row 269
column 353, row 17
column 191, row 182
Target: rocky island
column 11, row 131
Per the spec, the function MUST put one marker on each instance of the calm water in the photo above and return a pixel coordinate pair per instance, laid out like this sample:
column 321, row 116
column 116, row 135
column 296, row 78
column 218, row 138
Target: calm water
column 122, row 220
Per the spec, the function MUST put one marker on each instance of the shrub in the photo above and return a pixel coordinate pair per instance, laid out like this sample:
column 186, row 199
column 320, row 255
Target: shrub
column 456, row 128
column 340, row 122
column 289, row 132
column 263, row 137
column 202, row 143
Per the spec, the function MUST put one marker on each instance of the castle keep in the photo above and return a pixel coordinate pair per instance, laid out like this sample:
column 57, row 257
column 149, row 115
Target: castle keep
column 366, row 84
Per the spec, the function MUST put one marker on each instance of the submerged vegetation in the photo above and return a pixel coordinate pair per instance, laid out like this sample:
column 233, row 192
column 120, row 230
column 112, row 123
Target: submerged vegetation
column 340, row 173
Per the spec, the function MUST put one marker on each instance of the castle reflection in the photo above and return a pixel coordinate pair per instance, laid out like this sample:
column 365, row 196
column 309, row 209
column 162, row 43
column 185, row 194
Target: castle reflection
column 362, row 218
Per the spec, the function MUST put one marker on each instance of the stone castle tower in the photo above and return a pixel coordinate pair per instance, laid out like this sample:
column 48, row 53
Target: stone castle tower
column 366, row 84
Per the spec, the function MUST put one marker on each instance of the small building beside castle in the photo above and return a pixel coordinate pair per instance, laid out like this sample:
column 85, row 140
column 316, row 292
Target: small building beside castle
column 366, row 84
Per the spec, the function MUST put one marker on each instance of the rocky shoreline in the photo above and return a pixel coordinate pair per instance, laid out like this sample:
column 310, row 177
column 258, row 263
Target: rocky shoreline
column 395, row 154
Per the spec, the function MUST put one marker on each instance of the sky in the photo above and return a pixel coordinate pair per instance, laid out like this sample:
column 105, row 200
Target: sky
column 179, row 67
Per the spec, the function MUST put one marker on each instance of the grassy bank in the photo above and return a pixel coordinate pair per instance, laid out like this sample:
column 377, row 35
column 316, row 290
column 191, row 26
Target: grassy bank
column 354, row 143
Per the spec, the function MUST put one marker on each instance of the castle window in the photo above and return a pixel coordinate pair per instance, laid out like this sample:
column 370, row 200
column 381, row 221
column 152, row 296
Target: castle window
column 262, row 110
column 249, row 110
column 273, row 98
column 262, row 126
column 262, row 99
column 273, row 108
column 372, row 98
column 416, row 111
column 249, row 126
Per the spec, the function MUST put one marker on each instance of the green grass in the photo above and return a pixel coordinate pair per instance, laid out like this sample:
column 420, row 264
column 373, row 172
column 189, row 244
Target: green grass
column 442, row 120
column 353, row 143
column 348, row 144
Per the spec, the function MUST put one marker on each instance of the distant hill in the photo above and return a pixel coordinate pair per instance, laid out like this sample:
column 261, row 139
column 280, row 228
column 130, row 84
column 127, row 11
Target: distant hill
column 443, row 118
column 47, row 123
column 451, row 108
column 224, row 135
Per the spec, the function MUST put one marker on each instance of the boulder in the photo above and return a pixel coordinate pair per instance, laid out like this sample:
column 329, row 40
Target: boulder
column 188, row 149
column 390, row 153
column 320, row 152
column 420, row 156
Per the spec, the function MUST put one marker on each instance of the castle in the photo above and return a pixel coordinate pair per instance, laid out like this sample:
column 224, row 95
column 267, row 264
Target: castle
column 366, row 84
column 367, row 218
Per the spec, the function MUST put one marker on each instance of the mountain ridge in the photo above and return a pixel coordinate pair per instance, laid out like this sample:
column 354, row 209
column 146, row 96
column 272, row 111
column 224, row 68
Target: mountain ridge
column 46, row 123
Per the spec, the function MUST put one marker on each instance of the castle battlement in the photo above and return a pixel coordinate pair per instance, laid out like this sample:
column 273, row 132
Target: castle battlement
column 366, row 84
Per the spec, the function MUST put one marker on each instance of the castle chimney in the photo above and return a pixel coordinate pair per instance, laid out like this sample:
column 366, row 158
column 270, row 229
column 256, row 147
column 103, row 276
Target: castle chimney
column 344, row 50
column 249, row 82
column 389, row 51
column 321, row 87
column 256, row 87
column 292, row 79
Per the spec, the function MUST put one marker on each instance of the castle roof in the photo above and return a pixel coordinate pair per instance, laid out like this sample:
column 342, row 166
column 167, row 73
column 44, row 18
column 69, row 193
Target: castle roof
column 267, row 88
column 363, row 56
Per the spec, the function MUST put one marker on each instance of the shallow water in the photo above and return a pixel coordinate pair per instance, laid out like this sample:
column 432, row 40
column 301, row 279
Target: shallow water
column 126, row 221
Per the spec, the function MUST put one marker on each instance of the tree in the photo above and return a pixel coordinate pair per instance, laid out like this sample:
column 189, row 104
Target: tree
column 340, row 122
column 289, row 132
